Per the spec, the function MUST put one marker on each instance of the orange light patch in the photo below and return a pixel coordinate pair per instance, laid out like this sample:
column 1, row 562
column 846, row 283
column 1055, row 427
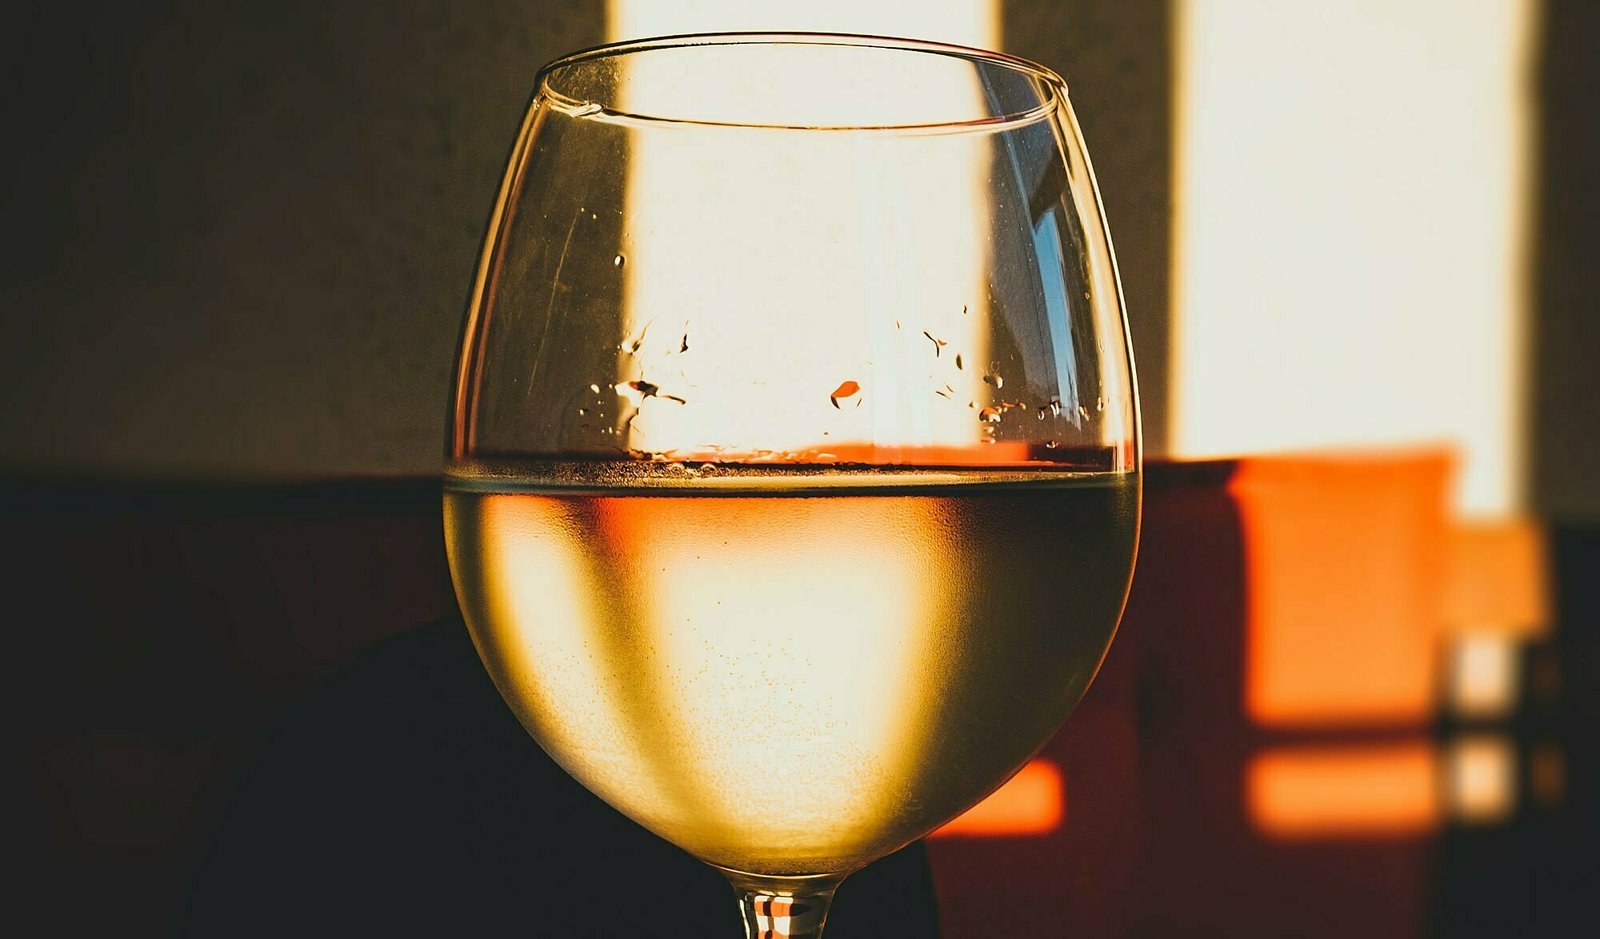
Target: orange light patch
column 1033, row 802
column 1343, row 571
column 1320, row 792
column 1496, row 578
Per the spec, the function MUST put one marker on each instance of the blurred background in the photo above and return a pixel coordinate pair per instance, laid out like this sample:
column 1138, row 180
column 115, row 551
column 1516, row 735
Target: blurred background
column 1354, row 689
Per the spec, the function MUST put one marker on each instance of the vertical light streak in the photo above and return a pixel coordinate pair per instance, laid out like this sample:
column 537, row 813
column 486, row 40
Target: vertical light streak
column 896, row 226
column 1351, row 205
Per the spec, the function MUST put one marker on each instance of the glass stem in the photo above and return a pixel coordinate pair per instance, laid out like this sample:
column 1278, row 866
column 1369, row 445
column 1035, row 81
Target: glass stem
column 784, row 908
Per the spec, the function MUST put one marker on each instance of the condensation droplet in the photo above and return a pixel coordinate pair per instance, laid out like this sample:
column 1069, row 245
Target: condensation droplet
column 989, row 415
column 595, row 388
column 586, row 109
column 619, row 260
column 582, row 411
column 1100, row 404
column 631, row 346
column 958, row 360
column 994, row 379
column 1051, row 444
column 1083, row 412
column 637, row 391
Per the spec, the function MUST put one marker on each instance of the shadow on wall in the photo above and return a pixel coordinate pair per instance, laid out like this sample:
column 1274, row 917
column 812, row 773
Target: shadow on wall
column 240, row 238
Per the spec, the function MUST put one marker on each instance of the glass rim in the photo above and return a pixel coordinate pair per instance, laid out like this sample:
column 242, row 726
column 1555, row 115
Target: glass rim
column 1052, row 84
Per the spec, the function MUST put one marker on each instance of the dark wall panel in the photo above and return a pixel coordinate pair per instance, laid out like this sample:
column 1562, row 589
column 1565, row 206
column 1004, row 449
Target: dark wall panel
column 1564, row 373
column 1116, row 59
column 239, row 237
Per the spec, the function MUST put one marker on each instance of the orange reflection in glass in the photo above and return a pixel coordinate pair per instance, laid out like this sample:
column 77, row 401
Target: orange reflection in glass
column 1356, row 791
column 1033, row 802
column 1343, row 575
column 998, row 454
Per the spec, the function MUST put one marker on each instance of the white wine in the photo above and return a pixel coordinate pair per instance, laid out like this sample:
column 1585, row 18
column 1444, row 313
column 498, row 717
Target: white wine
column 789, row 671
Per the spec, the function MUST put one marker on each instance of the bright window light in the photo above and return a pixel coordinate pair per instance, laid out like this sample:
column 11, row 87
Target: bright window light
column 812, row 193
column 964, row 22
column 1351, row 208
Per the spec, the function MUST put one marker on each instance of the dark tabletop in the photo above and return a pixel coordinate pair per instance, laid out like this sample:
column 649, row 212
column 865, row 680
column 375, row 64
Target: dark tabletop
column 403, row 798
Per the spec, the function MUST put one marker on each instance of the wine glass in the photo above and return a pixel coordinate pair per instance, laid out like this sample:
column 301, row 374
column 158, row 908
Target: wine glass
column 792, row 487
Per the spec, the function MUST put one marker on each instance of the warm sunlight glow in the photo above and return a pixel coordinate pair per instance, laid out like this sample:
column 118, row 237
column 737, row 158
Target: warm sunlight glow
column 1483, row 784
column 1495, row 597
column 1033, row 802
column 541, row 562
column 841, row 608
column 1483, row 675
column 814, row 373
column 1353, row 791
column 1342, row 577
column 1350, row 219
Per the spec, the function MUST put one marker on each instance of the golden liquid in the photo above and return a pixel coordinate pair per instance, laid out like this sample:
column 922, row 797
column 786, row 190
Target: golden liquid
column 784, row 675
